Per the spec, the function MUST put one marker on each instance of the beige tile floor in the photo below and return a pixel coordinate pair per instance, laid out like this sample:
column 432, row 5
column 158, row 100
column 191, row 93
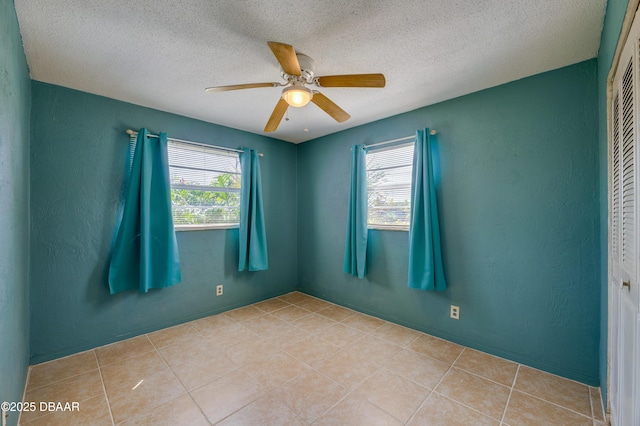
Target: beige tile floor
column 298, row 360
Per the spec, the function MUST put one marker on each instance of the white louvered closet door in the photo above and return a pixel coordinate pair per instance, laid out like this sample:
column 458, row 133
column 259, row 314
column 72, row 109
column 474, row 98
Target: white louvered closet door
column 625, row 349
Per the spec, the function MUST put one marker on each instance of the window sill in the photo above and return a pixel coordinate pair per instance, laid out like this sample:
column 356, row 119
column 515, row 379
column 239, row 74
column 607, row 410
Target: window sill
column 389, row 228
column 208, row 227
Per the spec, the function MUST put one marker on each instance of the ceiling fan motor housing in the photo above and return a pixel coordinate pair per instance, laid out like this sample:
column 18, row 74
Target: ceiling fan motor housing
column 307, row 70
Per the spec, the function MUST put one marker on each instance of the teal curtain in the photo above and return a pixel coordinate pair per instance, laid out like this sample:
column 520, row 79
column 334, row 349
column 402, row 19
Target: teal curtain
column 253, row 236
column 145, row 253
column 355, row 251
column 425, row 255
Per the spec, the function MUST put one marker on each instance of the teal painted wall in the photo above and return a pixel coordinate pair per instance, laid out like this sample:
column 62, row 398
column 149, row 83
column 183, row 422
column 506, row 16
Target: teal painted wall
column 15, row 106
column 79, row 156
column 518, row 187
column 610, row 33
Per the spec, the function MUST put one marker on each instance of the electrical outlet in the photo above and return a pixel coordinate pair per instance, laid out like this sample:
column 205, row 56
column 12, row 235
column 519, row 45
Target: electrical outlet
column 219, row 290
column 455, row 312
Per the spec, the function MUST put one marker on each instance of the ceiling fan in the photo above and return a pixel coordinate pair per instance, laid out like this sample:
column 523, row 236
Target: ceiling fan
column 298, row 71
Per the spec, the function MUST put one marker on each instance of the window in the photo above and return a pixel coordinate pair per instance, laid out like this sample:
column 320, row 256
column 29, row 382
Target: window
column 205, row 186
column 389, row 186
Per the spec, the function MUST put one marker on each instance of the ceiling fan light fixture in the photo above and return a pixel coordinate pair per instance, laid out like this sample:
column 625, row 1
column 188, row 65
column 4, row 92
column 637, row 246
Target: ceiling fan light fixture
column 297, row 95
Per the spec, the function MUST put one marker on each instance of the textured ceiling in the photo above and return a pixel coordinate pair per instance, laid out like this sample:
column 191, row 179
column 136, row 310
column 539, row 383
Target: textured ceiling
column 163, row 53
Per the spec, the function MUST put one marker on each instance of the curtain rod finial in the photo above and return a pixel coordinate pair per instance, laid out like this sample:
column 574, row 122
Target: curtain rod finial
column 130, row 132
column 433, row 132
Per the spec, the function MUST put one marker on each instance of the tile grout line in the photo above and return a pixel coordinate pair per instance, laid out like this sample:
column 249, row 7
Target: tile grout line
column 551, row 374
column 598, row 400
column 262, row 395
column 553, row 403
column 199, row 332
column 68, row 377
column 450, row 367
column 123, row 359
column 289, row 381
column 178, row 378
column 409, row 378
column 470, row 407
column 413, row 413
column 513, row 385
column 349, row 391
column 482, row 377
column 593, row 418
column 436, row 385
column 419, row 407
column 104, row 389
column 364, row 332
column 61, row 380
column 603, row 410
column 547, row 401
column 408, row 345
column 466, row 406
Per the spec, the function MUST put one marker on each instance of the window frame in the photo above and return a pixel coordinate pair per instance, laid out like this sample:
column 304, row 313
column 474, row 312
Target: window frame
column 389, row 227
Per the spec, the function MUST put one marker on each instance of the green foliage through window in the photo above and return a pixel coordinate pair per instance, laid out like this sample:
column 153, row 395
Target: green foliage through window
column 205, row 185
column 211, row 205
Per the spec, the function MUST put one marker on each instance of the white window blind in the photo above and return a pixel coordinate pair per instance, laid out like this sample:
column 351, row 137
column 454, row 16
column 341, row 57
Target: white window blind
column 205, row 186
column 389, row 186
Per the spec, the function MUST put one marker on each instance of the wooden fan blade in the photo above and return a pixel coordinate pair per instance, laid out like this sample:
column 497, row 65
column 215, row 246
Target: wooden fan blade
column 352, row 80
column 276, row 116
column 286, row 55
column 239, row 86
column 328, row 106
